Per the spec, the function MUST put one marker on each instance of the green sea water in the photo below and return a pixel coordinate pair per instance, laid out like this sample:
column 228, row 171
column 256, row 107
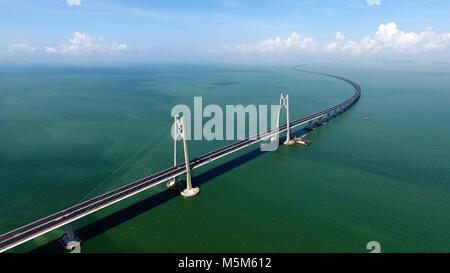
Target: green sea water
column 70, row 133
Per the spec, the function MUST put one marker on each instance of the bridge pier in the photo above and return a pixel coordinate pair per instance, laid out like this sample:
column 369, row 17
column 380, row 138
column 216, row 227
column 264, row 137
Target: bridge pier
column 309, row 126
column 70, row 239
column 319, row 121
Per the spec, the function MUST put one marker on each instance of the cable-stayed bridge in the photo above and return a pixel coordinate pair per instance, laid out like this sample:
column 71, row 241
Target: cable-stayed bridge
column 66, row 216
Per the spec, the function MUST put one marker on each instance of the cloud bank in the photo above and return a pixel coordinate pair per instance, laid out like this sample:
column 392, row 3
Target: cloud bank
column 21, row 48
column 276, row 45
column 387, row 39
column 79, row 44
column 84, row 44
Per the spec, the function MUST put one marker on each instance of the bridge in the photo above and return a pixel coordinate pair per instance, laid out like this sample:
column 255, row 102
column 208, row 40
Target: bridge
column 66, row 216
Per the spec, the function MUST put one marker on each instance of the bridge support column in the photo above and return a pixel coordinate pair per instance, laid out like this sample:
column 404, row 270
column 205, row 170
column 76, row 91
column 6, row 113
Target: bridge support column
column 310, row 125
column 319, row 121
column 172, row 183
column 284, row 103
column 189, row 191
column 277, row 137
column 328, row 116
column 70, row 239
column 288, row 132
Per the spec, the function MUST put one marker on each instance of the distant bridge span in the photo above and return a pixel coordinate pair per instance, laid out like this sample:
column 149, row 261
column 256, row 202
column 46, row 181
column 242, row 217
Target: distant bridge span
column 64, row 217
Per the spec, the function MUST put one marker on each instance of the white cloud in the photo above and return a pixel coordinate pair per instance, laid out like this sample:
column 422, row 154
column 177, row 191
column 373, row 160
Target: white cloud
column 331, row 47
column 22, row 48
column 82, row 43
column 73, row 2
column 389, row 39
column 50, row 50
column 292, row 43
column 373, row 2
column 340, row 36
column 79, row 44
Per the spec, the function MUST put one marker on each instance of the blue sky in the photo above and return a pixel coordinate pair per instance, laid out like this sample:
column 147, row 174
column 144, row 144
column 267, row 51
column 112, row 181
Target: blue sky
column 218, row 30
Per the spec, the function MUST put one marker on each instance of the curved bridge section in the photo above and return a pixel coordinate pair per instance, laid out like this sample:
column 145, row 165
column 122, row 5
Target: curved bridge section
column 44, row 225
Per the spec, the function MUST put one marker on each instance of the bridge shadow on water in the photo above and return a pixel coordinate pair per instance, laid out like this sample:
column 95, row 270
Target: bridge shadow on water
column 102, row 225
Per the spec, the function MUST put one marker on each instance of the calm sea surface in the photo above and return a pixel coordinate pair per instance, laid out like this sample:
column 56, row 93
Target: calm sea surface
column 70, row 133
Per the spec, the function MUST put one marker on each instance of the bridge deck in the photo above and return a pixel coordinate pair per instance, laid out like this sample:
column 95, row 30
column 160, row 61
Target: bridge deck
column 44, row 225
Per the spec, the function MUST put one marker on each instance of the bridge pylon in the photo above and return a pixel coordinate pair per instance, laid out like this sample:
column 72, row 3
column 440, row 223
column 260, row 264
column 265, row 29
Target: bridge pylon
column 284, row 103
column 172, row 183
column 179, row 131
